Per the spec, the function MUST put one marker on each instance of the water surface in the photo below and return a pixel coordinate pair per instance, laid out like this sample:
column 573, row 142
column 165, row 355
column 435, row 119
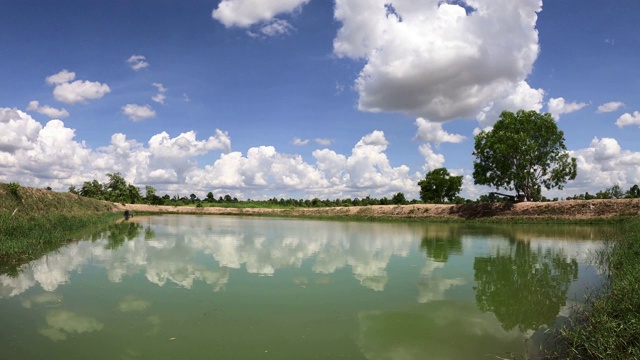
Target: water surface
column 205, row 287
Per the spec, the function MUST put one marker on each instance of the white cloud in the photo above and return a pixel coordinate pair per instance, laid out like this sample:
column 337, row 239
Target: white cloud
column 431, row 159
column 34, row 152
column 323, row 141
column 366, row 171
column 628, row 119
column 18, row 130
column 524, row 97
column 77, row 91
column 80, row 91
column 433, row 60
column 558, row 106
column 603, row 164
column 277, row 27
column 62, row 77
column 51, row 112
column 433, row 132
column 244, row 13
column 299, row 142
column 138, row 112
column 186, row 144
column 49, row 156
column 137, row 62
column 159, row 97
column 610, row 107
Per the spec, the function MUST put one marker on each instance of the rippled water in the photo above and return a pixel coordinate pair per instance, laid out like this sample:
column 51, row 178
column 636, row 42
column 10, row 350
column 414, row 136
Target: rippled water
column 207, row 287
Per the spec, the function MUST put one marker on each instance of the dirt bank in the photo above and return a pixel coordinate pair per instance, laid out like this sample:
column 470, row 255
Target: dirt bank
column 570, row 209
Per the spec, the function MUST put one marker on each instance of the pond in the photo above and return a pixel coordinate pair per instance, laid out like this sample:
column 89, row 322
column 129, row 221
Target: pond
column 205, row 287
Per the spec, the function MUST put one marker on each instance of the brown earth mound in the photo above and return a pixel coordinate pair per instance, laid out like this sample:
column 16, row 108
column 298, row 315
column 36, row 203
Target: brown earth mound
column 569, row 209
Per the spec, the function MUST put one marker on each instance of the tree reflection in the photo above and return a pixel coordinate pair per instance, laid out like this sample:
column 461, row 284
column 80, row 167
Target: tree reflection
column 117, row 233
column 524, row 287
column 440, row 246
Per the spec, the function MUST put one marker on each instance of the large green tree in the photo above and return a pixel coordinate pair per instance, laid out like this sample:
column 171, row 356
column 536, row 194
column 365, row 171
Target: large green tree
column 439, row 185
column 523, row 152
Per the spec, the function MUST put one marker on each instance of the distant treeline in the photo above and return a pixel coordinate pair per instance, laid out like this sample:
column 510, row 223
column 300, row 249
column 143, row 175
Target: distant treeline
column 116, row 189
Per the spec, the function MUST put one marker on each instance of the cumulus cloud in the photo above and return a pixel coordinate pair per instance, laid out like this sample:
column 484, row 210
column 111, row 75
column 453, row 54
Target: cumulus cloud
column 628, row 119
column 51, row 112
column 432, row 160
column 70, row 92
column 43, row 151
column 137, row 62
column 160, row 96
column 50, row 156
column 523, row 97
column 62, row 77
column 138, row 112
column 559, row 106
column 366, row 171
column 186, row 144
column 244, row 13
column 603, row 164
column 610, row 107
column 434, row 60
column 433, row 132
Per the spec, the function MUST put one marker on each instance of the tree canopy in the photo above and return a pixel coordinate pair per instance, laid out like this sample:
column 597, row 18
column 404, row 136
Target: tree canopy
column 439, row 185
column 523, row 152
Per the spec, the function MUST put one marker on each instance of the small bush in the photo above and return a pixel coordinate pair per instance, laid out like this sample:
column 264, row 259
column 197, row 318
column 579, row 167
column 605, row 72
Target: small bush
column 14, row 188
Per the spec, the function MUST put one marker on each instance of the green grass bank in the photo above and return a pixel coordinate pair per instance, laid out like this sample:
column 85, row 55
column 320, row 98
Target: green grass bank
column 607, row 326
column 34, row 222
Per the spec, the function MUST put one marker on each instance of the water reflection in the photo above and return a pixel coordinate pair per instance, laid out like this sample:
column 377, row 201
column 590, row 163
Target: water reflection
column 524, row 285
column 370, row 290
column 438, row 330
column 168, row 249
column 62, row 323
column 438, row 248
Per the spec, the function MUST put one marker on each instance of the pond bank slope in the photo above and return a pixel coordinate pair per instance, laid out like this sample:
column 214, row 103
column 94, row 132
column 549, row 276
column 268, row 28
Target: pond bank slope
column 34, row 222
column 560, row 210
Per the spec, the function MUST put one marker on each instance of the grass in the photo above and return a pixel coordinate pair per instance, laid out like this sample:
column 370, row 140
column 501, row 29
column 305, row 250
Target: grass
column 34, row 222
column 607, row 326
column 23, row 240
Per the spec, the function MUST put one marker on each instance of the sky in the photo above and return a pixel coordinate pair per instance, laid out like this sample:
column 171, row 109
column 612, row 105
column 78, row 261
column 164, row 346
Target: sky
column 308, row 98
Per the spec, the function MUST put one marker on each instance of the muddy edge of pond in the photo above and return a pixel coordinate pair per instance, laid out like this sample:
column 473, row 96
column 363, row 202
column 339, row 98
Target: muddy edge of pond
column 560, row 210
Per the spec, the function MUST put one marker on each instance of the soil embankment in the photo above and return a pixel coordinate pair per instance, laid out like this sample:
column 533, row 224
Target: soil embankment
column 561, row 210
column 36, row 202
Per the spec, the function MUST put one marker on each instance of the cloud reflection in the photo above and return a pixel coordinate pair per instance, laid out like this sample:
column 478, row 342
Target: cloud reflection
column 63, row 322
column 261, row 247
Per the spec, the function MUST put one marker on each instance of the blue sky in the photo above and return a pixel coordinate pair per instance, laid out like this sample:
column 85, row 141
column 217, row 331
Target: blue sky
column 308, row 98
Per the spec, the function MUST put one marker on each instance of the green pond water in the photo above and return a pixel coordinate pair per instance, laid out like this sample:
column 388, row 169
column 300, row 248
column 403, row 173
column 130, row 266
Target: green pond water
column 208, row 287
